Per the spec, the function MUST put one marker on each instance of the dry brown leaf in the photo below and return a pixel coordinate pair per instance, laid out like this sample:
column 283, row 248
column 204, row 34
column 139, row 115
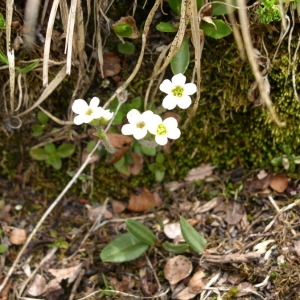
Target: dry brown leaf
column 196, row 284
column 95, row 211
column 234, row 213
column 121, row 143
column 66, row 273
column 38, row 286
column 4, row 293
column 279, row 183
column 172, row 230
column 118, row 206
column 199, row 173
column 111, row 64
column 18, row 236
column 137, row 166
column 131, row 22
column 177, row 268
column 210, row 204
column 256, row 185
column 184, row 294
column 142, row 202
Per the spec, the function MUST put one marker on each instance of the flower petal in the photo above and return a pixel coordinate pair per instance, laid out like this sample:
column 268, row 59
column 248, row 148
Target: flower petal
column 107, row 114
column 139, row 133
column 127, row 129
column 78, row 120
column 97, row 112
column 166, row 86
column 190, row 88
column 184, row 102
column 178, row 79
column 161, row 139
column 133, row 116
column 147, row 116
column 170, row 123
column 174, row 134
column 152, row 127
column 169, row 102
column 94, row 102
column 79, row 106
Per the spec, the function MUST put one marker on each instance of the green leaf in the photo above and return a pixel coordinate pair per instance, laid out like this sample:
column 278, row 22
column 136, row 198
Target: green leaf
column 150, row 151
column 165, row 27
column 175, row 5
column 37, row 130
column 136, row 103
column 3, row 58
column 195, row 240
column 160, row 158
column 120, row 163
column 38, row 154
column 55, row 161
column 126, row 48
column 123, row 30
column 50, row 148
column 175, row 248
column 2, row 22
column 65, row 150
column 28, row 68
column 42, row 117
column 181, row 60
column 159, row 175
column 219, row 9
column 125, row 247
column 141, row 232
column 217, row 31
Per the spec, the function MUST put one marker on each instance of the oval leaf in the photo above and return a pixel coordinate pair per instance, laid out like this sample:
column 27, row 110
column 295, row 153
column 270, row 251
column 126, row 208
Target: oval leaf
column 141, row 232
column 195, row 240
column 126, row 48
column 165, row 27
column 125, row 247
column 38, row 154
column 217, row 30
column 65, row 150
column 181, row 60
column 175, row 5
column 175, row 248
column 123, row 30
column 50, row 148
column 54, row 161
column 219, row 9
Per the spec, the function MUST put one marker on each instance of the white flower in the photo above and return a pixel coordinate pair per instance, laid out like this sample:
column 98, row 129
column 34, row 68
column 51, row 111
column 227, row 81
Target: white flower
column 164, row 129
column 178, row 92
column 89, row 112
column 138, row 123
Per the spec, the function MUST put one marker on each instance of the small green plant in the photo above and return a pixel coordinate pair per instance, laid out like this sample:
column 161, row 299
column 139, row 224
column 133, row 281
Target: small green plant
column 134, row 243
column 38, row 129
column 269, row 11
column 52, row 155
column 2, row 22
column 288, row 160
column 25, row 70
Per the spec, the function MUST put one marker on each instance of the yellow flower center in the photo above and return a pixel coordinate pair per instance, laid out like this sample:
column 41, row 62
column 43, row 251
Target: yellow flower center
column 161, row 129
column 140, row 124
column 89, row 112
column 178, row 91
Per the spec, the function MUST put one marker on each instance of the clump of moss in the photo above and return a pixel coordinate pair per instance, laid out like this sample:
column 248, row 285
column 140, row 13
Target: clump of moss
column 228, row 129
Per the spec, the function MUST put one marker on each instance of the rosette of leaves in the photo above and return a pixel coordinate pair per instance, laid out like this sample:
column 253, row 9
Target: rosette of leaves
column 52, row 155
